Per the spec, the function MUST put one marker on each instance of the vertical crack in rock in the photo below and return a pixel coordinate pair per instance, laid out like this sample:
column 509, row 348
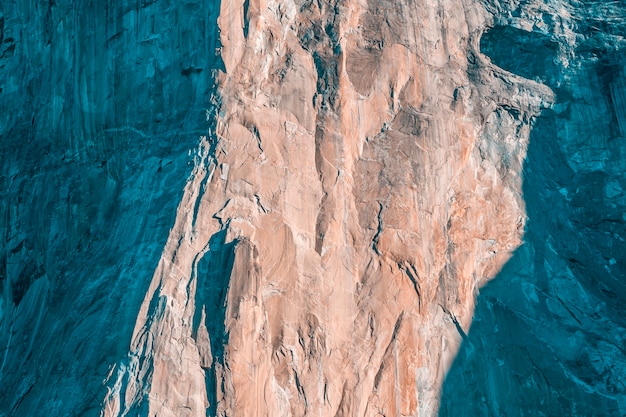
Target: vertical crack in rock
column 163, row 347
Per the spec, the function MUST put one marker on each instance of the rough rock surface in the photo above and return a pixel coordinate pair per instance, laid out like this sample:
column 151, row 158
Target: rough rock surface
column 100, row 103
column 549, row 332
column 362, row 178
column 358, row 179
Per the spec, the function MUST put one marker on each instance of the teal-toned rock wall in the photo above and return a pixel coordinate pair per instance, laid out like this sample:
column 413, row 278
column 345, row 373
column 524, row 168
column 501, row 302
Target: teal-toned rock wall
column 549, row 332
column 100, row 104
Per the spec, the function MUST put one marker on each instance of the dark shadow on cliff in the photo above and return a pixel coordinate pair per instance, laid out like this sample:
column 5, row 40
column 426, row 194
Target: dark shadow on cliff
column 103, row 103
column 213, row 275
column 547, row 337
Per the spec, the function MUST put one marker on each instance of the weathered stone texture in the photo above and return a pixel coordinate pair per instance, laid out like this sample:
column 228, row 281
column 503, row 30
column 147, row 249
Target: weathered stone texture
column 361, row 174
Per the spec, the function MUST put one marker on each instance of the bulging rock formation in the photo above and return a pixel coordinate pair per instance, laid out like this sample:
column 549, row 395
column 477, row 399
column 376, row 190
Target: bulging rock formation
column 357, row 179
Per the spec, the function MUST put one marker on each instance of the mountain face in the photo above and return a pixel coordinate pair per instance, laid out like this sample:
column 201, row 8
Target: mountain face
column 548, row 336
column 300, row 207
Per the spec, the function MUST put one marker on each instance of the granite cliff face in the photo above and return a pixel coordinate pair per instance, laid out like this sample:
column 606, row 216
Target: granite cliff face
column 548, row 333
column 100, row 103
column 359, row 176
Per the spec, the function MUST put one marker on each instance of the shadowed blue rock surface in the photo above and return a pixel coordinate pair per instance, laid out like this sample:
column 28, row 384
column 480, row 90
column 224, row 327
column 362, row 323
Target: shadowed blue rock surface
column 100, row 103
column 549, row 332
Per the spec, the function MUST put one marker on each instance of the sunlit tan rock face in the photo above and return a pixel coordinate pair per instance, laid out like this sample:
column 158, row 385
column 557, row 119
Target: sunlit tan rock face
column 361, row 180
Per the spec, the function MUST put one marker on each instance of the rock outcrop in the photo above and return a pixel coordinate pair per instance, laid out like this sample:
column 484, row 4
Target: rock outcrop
column 357, row 179
column 362, row 178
